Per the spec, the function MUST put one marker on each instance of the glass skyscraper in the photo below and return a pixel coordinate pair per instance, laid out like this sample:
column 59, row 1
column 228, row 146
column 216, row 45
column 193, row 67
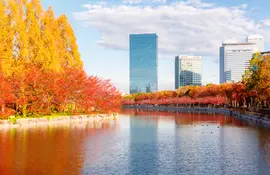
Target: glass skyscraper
column 143, row 62
column 188, row 71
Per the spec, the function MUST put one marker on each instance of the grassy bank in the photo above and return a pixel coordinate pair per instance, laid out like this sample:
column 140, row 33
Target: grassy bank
column 13, row 120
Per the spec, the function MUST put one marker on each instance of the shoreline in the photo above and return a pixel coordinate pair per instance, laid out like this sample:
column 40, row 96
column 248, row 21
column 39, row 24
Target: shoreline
column 46, row 121
column 248, row 117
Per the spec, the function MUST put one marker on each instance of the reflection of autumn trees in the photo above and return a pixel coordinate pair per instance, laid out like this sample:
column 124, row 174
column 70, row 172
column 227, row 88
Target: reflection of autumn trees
column 186, row 118
column 264, row 143
column 193, row 118
column 48, row 150
column 7, row 153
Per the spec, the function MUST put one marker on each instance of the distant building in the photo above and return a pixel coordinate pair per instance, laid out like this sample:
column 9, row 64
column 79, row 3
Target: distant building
column 188, row 71
column 265, row 53
column 234, row 60
column 143, row 57
column 177, row 72
column 258, row 40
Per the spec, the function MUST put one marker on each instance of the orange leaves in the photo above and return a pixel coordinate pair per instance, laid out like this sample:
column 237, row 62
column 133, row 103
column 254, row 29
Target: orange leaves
column 6, row 95
column 42, row 92
column 192, row 95
column 101, row 95
column 257, row 78
column 40, row 66
column 218, row 100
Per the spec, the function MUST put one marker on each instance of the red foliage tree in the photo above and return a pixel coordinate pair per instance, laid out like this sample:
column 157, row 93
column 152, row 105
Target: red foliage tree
column 6, row 96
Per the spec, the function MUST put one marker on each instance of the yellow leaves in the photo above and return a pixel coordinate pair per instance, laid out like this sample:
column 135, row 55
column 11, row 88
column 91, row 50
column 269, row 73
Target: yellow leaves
column 6, row 53
column 31, row 36
column 258, row 75
column 7, row 67
column 71, row 55
column 38, row 8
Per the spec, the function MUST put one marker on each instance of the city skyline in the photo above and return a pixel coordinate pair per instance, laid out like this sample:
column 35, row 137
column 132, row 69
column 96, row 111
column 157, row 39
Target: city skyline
column 102, row 30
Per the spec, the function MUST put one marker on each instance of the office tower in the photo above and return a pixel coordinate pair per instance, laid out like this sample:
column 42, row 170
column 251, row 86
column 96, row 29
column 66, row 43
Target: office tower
column 177, row 72
column 258, row 40
column 234, row 60
column 188, row 71
column 143, row 60
column 266, row 53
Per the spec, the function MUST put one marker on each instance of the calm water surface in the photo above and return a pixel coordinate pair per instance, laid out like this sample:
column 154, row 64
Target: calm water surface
column 139, row 143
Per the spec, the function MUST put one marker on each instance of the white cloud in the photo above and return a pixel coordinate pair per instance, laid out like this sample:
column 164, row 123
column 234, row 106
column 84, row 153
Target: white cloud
column 132, row 1
column 198, row 4
column 143, row 1
column 103, row 3
column 159, row 1
column 244, row 6
column 266, row 22
column 183, row 27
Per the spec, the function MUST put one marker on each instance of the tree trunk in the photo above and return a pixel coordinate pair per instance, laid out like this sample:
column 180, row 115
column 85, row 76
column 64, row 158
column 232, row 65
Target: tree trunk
column 3, row 108
column 24, row 111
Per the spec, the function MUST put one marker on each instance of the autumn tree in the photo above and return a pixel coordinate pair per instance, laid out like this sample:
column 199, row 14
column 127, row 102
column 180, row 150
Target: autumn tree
column 41, row 71
column 257, row 78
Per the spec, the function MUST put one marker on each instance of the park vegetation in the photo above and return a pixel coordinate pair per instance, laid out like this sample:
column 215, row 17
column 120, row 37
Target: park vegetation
column 253, row 91
column 41, row 71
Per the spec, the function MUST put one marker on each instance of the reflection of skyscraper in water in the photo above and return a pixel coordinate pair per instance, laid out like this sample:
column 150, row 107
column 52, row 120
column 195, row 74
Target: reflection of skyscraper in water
column 143, row 63
column 186, row 146
column 143, row 157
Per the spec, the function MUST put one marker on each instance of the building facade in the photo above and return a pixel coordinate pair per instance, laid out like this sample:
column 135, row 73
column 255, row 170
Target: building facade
column 266, row 53
column 143, row 60
column 258, row 40
column 177, row 72
column 188, row 71
column 234, row 60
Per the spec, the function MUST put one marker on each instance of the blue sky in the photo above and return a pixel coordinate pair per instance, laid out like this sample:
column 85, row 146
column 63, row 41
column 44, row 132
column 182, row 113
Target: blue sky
column 187, row 27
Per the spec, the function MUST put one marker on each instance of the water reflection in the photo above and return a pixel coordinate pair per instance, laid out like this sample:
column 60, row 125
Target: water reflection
column 209, row 144
column 50, row 150
column 143, row 145
column 139, row 143
column 264, row 138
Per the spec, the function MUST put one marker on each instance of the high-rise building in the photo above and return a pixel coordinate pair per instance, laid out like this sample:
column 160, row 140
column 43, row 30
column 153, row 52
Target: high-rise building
column 143, row 60
column 234, row 60
column 265, row 53
column 258, row 40
column 188, row 71
column 177, row 72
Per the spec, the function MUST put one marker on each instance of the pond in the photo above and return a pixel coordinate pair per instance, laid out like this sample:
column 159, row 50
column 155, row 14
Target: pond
column 139, row 142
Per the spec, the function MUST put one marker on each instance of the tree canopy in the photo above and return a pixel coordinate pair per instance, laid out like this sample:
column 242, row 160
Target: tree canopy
column 41, row 71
